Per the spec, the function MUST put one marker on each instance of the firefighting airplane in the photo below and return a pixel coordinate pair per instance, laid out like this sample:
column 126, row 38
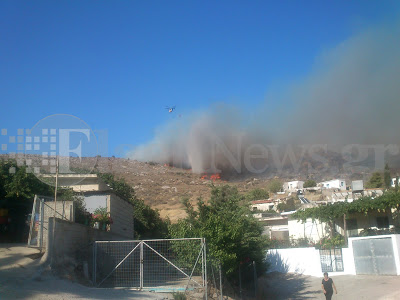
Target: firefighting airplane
column 170, row 109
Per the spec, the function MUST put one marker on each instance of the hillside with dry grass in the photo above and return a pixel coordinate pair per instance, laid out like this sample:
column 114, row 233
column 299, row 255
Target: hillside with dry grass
column 162, row 186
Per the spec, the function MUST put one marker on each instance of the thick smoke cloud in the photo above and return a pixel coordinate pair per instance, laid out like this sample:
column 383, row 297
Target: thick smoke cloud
column 352, row 96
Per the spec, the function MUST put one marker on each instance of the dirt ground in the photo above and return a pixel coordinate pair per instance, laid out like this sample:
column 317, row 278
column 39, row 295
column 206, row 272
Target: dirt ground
column 22, row 277
column 279, row 286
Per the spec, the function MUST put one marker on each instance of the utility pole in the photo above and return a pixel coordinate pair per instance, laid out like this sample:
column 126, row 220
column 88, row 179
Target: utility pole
column 55, row 190
column 345, row 229
column 55, row 211
column 220, row 282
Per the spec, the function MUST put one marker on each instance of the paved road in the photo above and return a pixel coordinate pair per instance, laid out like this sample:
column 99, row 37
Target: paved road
column 22, row 277
column 279, row 286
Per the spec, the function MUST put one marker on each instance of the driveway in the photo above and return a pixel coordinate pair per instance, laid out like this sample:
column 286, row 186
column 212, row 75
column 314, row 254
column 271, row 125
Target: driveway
column 22, row 277
column 293, row 286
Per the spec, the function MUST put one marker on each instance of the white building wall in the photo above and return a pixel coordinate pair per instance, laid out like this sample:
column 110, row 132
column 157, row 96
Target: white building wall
column 334, row 184
column 313, row 230
column 396, row 251
column 295, row 260
column 293, row 186
column 306, row 261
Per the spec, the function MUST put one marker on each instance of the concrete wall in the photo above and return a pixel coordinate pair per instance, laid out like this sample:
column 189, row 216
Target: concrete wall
column 122, row 214
column 295, row 260
column 65, row 210
column 72, row 242
column 306, row 261
column 120, row 211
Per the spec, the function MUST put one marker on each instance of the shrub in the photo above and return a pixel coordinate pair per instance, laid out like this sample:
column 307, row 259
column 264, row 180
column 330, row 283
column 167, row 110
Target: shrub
column 329, row 243
column 275, row 186
column 310, row 183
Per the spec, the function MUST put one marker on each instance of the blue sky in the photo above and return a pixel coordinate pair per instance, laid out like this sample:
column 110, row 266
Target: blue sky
column 117, row 64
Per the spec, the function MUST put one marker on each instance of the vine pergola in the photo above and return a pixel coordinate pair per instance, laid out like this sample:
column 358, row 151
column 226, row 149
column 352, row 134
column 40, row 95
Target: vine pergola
column 331, row 212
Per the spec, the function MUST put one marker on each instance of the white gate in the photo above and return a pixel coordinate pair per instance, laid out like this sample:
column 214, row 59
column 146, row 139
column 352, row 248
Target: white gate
column 157, row 265
column 374, row 256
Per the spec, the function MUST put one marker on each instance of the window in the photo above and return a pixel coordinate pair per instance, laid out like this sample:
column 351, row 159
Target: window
column 382, row 222
column 352, row 227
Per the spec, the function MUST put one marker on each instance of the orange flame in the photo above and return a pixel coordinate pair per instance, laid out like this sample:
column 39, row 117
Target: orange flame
column 212, row 177
column 215, row 177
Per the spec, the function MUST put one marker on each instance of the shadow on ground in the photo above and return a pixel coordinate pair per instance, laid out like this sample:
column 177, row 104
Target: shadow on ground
column 279, row 286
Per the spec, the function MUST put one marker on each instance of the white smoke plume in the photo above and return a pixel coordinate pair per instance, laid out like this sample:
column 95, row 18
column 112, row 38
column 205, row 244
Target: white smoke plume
column 351, row 96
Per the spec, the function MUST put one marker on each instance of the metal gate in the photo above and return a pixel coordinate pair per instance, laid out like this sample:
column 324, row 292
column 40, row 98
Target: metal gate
column 157, row 265
column 374, row 256
column 331, row 260
column 43, row 208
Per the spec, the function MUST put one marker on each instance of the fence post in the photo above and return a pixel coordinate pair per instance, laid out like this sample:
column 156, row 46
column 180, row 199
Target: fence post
column 141, row 265
column 255, row 278
column 205, row 264
column 220, row 282
column 41, row 224
column 240, row 282
column 94, row 262
column 202, row 262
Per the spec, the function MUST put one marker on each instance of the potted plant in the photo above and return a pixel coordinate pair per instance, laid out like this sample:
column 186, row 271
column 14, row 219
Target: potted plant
column 101, row 218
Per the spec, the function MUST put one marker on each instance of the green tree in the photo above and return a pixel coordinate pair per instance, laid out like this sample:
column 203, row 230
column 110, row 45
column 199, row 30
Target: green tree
column 309, row 183
column 232, row 234
column 387, row 178
column 257, row 194
column 288, row 205
column 18, row 183
column 376, row 181
column 275, row 186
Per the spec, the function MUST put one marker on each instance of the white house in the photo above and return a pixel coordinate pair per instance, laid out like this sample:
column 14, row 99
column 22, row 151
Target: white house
column 262, row 205
column 293, row 186
column 394, row 182
column 334, row 184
